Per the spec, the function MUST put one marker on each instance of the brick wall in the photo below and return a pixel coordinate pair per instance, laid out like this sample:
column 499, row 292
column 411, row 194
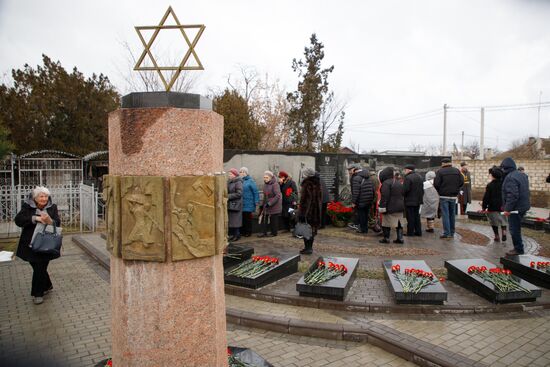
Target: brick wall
column 537, row 170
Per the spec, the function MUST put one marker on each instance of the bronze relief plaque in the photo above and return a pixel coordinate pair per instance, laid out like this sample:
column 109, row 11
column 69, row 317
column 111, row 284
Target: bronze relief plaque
column 142, row 218
column 222, row 219
column 111, row 196
column 192, row 217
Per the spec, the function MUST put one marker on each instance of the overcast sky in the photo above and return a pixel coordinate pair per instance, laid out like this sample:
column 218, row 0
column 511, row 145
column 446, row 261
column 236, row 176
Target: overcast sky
column 391, row 58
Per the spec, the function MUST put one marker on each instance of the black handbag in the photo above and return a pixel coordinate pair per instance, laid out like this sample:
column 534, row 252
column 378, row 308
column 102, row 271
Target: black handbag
column 303, row 230
column 47, row 242
column 234, row 206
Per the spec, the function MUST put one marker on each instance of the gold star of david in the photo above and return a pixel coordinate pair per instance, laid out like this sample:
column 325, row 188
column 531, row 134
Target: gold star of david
column 182, row 66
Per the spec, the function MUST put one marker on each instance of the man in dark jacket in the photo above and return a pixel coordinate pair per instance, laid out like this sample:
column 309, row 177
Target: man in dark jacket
column 448, row 181
column 362, row 195
column 515, row 201
column 413, row 188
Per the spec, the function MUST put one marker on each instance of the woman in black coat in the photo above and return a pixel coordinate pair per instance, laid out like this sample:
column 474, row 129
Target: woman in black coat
column 492, row 203
column 311, row 198
column 38, row 208
column 392, row 204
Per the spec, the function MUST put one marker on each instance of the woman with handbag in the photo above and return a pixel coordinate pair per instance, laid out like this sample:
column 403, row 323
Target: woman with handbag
column 235, row 204
column 309, row 211
column 38, row 208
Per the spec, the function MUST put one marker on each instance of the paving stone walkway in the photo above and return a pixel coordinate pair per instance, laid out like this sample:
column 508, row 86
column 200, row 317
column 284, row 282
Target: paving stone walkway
column 72, row 326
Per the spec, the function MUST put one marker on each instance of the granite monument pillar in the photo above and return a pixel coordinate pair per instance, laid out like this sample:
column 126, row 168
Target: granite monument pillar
column 166, row 217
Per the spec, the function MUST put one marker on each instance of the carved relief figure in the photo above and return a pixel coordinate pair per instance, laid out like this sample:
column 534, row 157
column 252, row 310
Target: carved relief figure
column 144, row 222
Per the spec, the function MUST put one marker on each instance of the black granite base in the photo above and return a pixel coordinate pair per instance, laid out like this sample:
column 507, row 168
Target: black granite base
column 520, row 266
column 476, row 216
column 288, row 264
column 532, row 224
column 166, row 99
column 239, row 253
column 457, row 271
column 336, row 288
column 249, row 357
column 434, row 294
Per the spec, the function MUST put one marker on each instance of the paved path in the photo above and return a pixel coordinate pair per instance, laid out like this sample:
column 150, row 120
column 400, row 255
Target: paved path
column 72, row 326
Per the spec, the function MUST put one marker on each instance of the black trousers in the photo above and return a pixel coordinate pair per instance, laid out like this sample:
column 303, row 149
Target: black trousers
column 414, row 225
column 363, row 214
column 324, row 220
column 271, row 223
column 247, row 224
column 40, row 278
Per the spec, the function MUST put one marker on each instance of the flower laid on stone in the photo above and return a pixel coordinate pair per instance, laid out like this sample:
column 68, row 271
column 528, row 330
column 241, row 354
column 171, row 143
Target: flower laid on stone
column 500, row 278
column 233, row 361
column 254, row 267
column 339, row 212
column 413, row 280
column 109, row 363
column 541, row 265
column 325, row 272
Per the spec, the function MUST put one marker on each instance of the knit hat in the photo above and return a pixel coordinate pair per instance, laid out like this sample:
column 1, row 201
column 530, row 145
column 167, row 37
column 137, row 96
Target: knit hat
column 234, row 172
column 245, row 170
column 446, row 160
column 308, row 172
column 430, row 175
column 268, row 173
column 283, row 174
column 462, row 164
column 410, row 166
column 355, row 166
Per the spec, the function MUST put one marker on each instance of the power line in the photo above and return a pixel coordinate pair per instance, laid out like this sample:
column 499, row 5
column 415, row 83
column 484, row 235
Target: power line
column 399, row 119
column 502, row 107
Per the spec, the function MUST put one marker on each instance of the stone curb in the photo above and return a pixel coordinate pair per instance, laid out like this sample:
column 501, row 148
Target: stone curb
column 392, row 341
column 272, row 297
column 378, row 308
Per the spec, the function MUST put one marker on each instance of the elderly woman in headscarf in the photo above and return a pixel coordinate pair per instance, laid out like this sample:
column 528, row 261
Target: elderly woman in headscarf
column 37, row 209
column 251, row 198
column 311, row 200
column 234, row 204
column 272, row 205
column 430, row 202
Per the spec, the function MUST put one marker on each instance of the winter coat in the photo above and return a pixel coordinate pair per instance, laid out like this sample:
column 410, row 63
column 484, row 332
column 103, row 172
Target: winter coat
column 23, row 219
column 492, row 199
column 391, row 192
column 548, row 179
column 272, row 202
column 311, row 201
column 467, row 187
column 448, row 181
column 430, row 200
column 289, row 193
column 413, row 188
column 515, row 188
column 235, row 194
column 362, row 189
column 251, row 196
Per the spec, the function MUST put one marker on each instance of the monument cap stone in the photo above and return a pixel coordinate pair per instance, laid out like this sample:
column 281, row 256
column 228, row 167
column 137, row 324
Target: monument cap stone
column 166, row 99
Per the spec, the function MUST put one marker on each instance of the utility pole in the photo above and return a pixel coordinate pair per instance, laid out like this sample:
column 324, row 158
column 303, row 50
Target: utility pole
column 482, row 135
column 445, row 129
column 538, row 119
column 462, row 147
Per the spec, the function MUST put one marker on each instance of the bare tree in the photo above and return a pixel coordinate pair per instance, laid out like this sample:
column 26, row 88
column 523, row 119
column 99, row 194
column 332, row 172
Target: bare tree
column 247, row 83
column 332, row 111
column 149, row 81
column 415, row 147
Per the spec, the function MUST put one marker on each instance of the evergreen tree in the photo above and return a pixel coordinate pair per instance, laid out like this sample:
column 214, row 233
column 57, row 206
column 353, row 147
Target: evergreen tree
column 306, row 102
column 49, row 108
column 240, row 130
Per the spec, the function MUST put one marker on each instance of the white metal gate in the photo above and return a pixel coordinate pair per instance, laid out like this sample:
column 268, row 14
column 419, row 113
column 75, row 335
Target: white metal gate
column 77, row 206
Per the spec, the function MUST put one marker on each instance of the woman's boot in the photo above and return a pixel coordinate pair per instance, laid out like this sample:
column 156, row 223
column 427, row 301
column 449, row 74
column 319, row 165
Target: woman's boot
column 430, row 225
column 399, row 234
column 503, row 233
column 308, row 247
column 386, row 232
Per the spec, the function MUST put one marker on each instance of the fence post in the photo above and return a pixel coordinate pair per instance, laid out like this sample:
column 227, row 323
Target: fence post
column 80, row 197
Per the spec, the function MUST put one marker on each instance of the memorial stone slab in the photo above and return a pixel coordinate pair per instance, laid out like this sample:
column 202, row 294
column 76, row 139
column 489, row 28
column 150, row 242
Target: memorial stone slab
column 431, row 294
column 288, row 264
column 249, row 357
column 236, row 254
column 336, row 288
column 476, row 216
column 166, row 99
column 457, row 271
column 520, row 265
column 537, row 225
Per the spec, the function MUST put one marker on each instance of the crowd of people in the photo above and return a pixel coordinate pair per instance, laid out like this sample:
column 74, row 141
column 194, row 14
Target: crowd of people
column 384, row 201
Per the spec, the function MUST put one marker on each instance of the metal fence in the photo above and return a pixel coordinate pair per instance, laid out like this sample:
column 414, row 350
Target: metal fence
column 77, row 206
